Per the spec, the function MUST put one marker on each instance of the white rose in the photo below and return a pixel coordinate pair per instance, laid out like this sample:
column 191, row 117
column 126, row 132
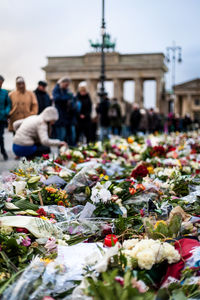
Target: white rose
column 146, row 259
column 129, row 244
column 117, row 190
column 170, row 253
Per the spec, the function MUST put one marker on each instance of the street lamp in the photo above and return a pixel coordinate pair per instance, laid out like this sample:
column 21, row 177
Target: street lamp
column 171, row 57
column 102, row 92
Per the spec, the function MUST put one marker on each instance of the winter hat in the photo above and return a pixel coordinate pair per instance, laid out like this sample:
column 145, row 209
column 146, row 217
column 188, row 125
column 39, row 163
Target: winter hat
column 19, row 79
column 42, row 83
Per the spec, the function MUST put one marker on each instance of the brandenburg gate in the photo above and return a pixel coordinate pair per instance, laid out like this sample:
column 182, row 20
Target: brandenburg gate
column 119, row 68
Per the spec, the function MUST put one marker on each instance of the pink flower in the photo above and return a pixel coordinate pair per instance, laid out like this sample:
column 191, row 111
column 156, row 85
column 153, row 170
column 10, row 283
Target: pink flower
column 139, row 284
column 51, row 245
column 120, row 280
column 8, row 199
column 53, row 221
column 26, row 241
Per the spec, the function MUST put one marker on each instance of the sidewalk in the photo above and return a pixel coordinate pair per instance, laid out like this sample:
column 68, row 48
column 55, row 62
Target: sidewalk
column 11, row 162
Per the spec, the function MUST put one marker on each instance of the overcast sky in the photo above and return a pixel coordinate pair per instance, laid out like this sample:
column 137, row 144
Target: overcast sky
column 31, row 30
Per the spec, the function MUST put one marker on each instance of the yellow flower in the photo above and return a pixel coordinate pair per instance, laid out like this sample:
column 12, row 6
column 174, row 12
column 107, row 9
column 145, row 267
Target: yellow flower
column 159, row 222
column 106, row 177
column 179, row 163
column 180, row 147
column 101, row 175
column 44, row 218
column 46, row 260
column 123, row 147
column 150, row 170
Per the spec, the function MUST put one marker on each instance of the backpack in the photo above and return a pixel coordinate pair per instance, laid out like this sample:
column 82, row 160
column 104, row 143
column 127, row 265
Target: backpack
column 113, row 113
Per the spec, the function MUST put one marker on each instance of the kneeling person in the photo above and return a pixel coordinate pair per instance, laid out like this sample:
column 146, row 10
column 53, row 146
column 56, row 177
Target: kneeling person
column 32, row 134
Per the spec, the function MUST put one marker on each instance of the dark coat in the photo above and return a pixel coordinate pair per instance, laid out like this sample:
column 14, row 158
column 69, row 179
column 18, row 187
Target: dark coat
column 115, row 115
column 66, row 105
column 43, row 100
column 102, row 110
column 86, row 106
column 135, row 120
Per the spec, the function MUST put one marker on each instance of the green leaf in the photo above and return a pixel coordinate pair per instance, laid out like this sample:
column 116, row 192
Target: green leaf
column 178, row 295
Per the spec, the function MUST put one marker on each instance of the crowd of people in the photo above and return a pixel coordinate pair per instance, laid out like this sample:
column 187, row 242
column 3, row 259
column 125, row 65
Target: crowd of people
column 39, row 121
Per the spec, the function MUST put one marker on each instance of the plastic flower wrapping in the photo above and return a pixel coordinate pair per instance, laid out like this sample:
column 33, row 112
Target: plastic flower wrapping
column 118, row 219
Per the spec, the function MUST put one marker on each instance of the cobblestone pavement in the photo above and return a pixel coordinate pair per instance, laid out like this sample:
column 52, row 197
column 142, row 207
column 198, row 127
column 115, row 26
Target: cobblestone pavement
column 11, row 162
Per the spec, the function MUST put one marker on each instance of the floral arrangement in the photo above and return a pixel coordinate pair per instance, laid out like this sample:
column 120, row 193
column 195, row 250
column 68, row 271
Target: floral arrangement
column 139, row 196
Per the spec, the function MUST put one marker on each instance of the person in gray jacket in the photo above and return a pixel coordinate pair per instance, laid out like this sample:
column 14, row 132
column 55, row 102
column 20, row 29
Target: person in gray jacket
column 32, row 134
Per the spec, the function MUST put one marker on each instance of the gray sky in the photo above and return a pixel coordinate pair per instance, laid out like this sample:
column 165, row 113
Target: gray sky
column 30, row 30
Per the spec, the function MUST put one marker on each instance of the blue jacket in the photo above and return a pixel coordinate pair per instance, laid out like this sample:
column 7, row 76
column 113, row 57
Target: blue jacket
column 66, row 105
column 5, row 105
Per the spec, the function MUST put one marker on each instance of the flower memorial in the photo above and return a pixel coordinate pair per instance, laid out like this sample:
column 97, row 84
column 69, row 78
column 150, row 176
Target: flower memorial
column 112, row 220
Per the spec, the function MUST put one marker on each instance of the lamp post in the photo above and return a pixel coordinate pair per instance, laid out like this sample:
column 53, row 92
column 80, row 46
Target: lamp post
column 102, row 92
column 172, row 57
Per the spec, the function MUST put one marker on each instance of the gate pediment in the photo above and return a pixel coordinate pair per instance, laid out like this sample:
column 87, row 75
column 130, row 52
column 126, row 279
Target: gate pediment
column 189, row 85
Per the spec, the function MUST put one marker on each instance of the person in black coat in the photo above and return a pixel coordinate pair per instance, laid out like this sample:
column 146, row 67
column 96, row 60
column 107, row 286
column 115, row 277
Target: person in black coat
column 103, row 112
column 84, row 118
column 67, row 107
column 42, row 96
column 135, row 119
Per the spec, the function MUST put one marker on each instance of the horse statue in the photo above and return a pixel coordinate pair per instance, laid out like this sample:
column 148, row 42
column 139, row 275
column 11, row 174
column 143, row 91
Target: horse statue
column 108, row 44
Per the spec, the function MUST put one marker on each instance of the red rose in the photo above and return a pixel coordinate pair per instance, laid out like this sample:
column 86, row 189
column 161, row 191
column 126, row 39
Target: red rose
column 45, row 156
column 142, row 212
column 140, row 171
column 41, row 212
column 171, row 148
column 158, row 151
column 24, row 230
column 58, row 161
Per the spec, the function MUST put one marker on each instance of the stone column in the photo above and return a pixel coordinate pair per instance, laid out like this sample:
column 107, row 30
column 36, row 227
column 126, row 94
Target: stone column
column 118, row 89
column 92, row 89
column 187, row 105
column 74, row 86
column 159, row 93
column 51, row 85
column 139, row 99
column 177, row 105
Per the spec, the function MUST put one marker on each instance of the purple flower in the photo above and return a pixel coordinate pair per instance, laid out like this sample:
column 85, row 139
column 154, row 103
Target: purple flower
column 149, row 143
column 26, row 241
